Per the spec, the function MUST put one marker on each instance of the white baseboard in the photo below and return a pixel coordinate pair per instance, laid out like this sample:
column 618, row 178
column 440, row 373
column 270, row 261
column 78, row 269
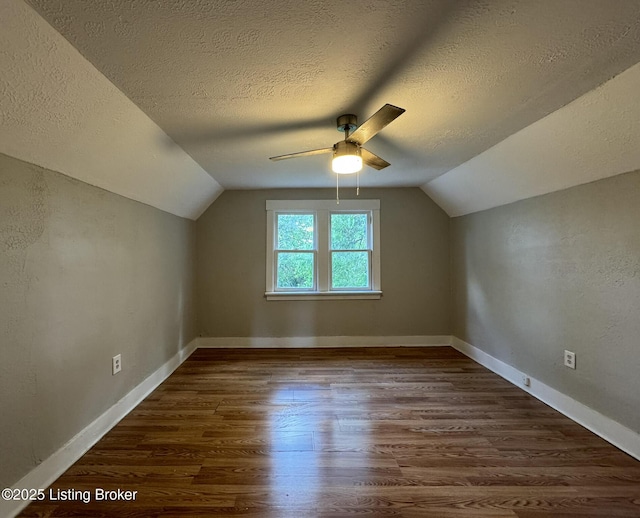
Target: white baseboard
column 612, row 431
column 43, row 475
column 286, row 342
column 50, row 469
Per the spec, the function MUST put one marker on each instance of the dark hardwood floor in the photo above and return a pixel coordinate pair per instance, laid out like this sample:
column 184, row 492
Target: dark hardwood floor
column 408, row 432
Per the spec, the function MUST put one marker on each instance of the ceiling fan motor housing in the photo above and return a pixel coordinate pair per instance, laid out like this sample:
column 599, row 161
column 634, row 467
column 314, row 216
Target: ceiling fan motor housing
column 347, row 122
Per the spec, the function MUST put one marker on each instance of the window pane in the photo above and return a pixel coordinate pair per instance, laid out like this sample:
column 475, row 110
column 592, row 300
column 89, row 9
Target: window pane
column 350, row 269
column 349, row 231
column 295, row 232
column 295, row 270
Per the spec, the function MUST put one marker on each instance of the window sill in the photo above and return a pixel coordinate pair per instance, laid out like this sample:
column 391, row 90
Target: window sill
column 323, row 295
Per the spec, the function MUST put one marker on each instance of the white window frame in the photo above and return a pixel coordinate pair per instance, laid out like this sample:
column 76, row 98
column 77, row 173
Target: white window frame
column 313, row 251
column 323, row 210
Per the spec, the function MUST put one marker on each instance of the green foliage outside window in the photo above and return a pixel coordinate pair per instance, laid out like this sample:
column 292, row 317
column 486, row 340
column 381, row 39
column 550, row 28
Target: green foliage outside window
column 348, row 231
column 295, row 270
column 349, row 251
column 349, row 269
column 295, row 232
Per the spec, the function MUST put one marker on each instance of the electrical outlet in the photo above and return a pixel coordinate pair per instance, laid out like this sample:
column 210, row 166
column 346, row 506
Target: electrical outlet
column 526, row 380
column 116, row 364
column 569, row 359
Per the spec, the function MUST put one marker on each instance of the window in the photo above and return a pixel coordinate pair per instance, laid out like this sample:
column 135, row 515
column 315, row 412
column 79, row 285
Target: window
column 317, row 249
column 295, row 251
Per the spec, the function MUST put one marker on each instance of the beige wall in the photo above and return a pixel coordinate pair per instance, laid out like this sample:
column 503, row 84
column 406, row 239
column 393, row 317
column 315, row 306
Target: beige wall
column 231, row 242
column 560, row 271
column 84, row 275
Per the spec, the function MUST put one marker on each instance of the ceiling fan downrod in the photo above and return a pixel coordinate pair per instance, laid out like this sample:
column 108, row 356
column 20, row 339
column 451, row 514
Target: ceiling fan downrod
column 347, row 124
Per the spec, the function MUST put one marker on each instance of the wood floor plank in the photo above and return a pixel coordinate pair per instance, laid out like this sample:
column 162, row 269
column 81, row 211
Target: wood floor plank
column 400, row 432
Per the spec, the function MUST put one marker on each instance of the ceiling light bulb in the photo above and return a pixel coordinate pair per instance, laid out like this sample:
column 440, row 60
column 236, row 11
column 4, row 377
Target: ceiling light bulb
column 346, row 164
column 346, row 158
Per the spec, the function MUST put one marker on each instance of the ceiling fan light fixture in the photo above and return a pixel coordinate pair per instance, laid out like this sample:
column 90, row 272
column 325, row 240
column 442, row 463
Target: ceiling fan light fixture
column 346, row 158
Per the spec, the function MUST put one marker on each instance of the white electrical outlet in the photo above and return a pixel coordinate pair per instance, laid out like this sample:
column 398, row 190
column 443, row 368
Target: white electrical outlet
column 116, row 364
column 570, row 359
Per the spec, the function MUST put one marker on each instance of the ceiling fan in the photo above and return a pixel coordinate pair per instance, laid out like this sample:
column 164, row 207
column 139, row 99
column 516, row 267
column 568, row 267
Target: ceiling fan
column 348, row 154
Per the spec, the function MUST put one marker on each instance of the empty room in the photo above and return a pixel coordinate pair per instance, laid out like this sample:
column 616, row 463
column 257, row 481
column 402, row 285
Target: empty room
column 320, row 259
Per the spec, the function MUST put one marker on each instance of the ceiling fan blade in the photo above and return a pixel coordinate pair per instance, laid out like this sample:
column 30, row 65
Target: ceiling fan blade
column 373, row 160
column 375, row 123
column 303, row 153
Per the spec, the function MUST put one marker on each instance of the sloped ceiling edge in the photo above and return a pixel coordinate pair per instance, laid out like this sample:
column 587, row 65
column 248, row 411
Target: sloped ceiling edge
column 58, row 111
column 594, row 137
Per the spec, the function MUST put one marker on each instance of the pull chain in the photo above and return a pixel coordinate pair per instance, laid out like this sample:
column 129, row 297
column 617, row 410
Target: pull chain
column 358, row 183
column 337, row 189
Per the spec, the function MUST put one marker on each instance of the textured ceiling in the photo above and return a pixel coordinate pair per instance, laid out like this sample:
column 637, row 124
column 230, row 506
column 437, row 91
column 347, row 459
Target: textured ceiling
column 593, row 137
column 59, row 112
column 234, row 82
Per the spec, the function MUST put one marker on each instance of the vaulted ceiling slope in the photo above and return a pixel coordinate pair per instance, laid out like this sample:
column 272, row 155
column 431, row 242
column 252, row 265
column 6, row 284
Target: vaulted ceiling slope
column 593, row 137
column 234, row 82
column 59, row 112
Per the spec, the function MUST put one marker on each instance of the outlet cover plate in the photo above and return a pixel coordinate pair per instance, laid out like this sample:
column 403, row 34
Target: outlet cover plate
column 116, row 364
column 570, row 359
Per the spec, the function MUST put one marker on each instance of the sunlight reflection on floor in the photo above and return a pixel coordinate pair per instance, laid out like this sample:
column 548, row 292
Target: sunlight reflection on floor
column 295, row 469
